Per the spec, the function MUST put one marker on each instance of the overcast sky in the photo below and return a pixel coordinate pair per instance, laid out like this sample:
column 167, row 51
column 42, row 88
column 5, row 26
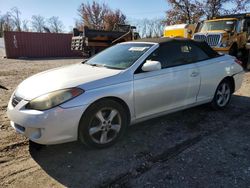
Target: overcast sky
column 66, row 10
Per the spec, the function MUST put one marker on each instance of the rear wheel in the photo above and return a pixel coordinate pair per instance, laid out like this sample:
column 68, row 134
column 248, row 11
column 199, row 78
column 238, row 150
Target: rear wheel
column 103, row 124
column 222, row 95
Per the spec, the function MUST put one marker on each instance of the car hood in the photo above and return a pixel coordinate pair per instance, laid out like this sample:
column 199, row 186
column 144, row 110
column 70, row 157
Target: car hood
column 61, row 78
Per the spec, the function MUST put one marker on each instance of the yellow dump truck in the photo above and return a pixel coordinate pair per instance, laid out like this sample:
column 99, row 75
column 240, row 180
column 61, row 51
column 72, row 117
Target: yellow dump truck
column 179, row 30
column 227, row 34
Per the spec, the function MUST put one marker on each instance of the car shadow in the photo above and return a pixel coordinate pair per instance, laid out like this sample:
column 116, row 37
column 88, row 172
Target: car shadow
column 74, row 165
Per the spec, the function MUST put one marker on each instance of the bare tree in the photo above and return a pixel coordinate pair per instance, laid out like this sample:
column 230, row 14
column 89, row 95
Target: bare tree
column 191, row 11
column 98, row 16
column 6, row 23
column 15, row 14
column 184, row 11
column 112, row 18
column 25, row 26
column 159, row 25
column 37, row 22
column 79, row 25
column 1, row 25
column 55, row 25
column 239, row 6
column 213, row 7
column 93, row 15
column 46, row 29
column 148, row 28
column 11, row 21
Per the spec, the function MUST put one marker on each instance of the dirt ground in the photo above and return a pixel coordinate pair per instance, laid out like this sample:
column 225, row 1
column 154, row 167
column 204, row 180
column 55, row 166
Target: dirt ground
column 198, row 147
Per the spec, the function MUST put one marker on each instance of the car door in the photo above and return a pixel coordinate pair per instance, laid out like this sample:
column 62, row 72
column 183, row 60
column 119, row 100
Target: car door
column 175, row 85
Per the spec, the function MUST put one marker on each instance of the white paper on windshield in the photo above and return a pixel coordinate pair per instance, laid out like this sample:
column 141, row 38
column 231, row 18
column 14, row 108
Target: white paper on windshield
column 137, row 49
column 229, row 22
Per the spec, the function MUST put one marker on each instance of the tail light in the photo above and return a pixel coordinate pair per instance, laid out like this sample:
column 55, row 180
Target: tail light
column 238, row 62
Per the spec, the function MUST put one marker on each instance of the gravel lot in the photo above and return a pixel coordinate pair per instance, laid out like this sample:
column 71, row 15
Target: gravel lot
column 198, row 147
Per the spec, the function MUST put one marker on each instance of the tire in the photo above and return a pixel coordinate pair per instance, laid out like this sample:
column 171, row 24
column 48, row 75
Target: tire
column 102, row 124
column 245, row 60
column 248, row 65
column 233, row 50
column 222, row 95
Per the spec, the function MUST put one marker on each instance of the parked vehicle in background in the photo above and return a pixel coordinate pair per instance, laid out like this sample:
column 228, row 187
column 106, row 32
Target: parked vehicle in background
column 179, row 30
column 91, row 41
column 227, row 34
column 127, row 83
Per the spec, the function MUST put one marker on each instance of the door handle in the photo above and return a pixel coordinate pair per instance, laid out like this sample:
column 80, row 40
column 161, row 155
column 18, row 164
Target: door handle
column 194, row 74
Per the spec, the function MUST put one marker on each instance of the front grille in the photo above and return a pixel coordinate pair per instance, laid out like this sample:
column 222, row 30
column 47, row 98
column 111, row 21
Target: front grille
column 15, row 100
column 200, row 37
column 211, row 39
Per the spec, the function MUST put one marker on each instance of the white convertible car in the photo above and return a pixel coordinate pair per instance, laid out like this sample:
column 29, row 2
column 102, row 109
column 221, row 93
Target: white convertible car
column 96, row 100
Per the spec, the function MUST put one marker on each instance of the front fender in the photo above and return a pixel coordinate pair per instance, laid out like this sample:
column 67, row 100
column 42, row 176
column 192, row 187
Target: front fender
column 123, row 91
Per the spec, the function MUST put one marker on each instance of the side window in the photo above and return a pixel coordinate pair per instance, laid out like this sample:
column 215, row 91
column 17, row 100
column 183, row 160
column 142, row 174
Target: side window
column 170, row 54
column 238, row 27
column 177, row 53
column 195, row 54
column 247, row 26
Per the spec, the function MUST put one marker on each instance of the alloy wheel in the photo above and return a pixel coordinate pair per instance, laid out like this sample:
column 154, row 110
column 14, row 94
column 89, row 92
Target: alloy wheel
column 105, row 125
column 223, row 94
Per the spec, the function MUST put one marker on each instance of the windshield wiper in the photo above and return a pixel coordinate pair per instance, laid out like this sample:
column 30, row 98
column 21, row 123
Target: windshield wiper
column 96, row 65
column 117, row 68
column 103, row 65
column 84, row 61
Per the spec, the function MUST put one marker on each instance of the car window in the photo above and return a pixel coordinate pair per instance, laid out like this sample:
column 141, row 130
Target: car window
column 239, row 27
column 195, row 54
column 168, row 55
column 177, row 53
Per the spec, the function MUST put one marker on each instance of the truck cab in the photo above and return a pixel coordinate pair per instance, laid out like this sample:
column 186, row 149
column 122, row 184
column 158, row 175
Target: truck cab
column 226, row 35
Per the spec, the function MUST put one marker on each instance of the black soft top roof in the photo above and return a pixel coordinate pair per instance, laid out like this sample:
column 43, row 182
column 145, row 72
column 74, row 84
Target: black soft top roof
column 165, row 40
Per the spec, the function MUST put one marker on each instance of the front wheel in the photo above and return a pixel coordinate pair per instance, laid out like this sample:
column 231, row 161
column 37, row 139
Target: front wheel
column 222, row 95
column 102, row 124
column 233, row 51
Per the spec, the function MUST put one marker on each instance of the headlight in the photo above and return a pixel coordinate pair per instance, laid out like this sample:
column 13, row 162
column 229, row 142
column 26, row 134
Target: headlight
column 225, row 44
column 53, row 99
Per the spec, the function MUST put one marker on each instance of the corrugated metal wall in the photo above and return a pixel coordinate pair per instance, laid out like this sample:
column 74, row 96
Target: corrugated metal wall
column 38, row 45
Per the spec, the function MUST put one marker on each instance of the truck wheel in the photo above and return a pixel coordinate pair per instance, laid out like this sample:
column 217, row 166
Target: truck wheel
column 247, row 59
column 248, row 65
column 233, row 50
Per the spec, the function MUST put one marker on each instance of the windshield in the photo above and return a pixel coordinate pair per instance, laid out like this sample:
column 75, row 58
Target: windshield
column 227, row 25
column 120, row 56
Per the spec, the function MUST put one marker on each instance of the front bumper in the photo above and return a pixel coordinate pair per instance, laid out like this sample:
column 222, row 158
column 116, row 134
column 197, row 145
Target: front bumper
column 222, row 50
column 54, row 126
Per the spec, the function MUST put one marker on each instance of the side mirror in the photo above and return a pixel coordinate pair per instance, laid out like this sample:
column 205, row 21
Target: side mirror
column 248, row 45
column 151, row 66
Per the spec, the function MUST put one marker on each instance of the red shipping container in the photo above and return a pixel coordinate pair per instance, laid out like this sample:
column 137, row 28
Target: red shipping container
column 38, row 45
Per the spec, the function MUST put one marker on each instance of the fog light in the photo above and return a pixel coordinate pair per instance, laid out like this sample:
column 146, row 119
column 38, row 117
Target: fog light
column 36, row 133
column 224, row 45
